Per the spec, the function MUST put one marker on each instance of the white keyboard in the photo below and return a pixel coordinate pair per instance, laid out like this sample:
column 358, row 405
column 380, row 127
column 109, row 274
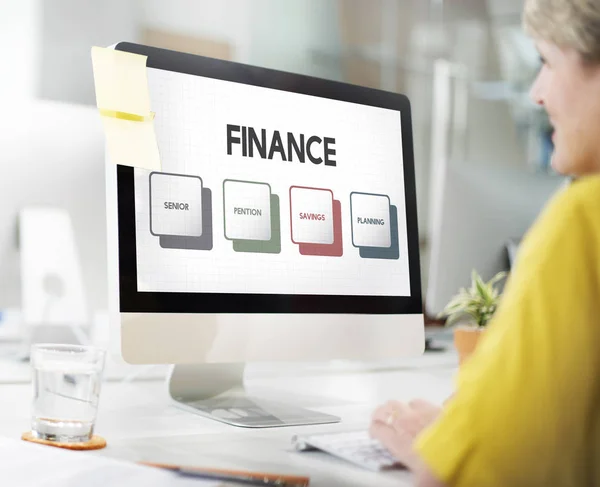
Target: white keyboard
column 354, row 446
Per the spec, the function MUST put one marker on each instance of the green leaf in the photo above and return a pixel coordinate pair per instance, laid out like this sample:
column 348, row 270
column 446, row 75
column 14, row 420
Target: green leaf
column 497, row 278
column 480, row 286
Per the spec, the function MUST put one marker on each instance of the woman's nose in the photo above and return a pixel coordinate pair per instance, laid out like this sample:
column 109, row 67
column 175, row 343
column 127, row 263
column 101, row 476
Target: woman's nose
column 535, row 93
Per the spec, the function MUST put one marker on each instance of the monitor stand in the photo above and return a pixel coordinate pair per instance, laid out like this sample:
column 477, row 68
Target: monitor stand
column 217, row 391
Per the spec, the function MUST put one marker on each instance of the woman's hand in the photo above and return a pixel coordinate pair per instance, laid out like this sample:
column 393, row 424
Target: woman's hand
column 397, row 424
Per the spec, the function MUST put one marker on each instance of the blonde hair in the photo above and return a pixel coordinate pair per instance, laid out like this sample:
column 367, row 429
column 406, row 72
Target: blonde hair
column 567, row 23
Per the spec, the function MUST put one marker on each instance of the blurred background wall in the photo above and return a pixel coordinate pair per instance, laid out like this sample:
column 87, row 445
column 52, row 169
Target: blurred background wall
column 465, row 64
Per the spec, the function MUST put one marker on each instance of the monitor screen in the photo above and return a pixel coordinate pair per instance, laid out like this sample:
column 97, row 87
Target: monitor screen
column 268, row 191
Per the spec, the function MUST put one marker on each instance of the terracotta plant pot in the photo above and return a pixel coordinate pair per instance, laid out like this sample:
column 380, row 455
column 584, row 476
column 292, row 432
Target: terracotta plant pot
column 465, row 341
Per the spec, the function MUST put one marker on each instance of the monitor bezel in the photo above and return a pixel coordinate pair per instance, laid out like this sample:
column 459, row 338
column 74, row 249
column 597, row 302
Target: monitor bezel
column 134, row 301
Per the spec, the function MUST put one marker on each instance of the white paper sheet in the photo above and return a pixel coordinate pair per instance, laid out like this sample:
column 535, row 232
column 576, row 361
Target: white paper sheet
column 25, row 464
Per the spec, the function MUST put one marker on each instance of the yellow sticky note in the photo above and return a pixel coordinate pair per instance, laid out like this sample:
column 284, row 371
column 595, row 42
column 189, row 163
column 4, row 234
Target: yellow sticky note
column 121, row 81
column 132, row 143
column 123, row 99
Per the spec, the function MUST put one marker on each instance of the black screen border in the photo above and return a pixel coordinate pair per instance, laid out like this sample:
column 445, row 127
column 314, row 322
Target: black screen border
column 134, row 301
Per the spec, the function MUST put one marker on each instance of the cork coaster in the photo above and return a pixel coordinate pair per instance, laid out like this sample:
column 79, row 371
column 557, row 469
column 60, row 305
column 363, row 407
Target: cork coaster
column 96, row 443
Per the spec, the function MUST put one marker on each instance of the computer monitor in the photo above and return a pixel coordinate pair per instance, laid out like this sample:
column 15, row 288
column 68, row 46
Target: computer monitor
column 282, row 226
column 479, row 214
column 52, row 157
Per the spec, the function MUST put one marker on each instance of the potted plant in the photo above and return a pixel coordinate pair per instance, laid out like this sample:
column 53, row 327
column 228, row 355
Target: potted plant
column 472, row 308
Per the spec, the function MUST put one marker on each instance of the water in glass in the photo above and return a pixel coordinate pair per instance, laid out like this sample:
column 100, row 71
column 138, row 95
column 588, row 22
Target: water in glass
column 66, row 395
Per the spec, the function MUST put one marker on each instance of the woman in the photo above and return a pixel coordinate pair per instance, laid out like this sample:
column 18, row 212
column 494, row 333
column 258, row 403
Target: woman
column 526, row 411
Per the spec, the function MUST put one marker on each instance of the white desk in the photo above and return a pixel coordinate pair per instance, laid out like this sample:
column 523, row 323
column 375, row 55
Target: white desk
column 140, row 424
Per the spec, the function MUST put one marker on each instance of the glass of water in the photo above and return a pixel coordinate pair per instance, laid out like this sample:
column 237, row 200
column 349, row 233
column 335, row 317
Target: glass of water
column 66, row 385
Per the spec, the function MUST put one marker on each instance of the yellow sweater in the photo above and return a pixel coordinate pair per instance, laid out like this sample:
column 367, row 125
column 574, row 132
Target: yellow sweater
column 526, row 412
